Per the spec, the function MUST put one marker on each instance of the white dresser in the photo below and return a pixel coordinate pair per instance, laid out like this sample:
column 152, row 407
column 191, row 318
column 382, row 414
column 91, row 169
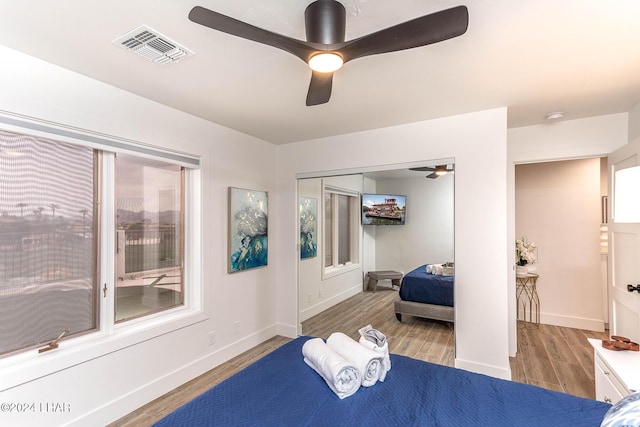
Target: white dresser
column 617, row 372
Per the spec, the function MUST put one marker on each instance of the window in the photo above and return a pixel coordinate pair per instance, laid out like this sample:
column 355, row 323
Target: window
column 48, row 242
column 344, row 229
column 149, row 212
column 55, row 226
column 341, row 222
column 328, row 229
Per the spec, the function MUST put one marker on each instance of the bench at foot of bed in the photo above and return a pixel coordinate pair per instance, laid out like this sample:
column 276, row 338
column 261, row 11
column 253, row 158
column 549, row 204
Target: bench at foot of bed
column 427, row 311
column 374, row 276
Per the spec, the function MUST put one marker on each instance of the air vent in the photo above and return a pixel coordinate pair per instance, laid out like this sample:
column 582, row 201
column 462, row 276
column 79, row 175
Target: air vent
column 152, row 45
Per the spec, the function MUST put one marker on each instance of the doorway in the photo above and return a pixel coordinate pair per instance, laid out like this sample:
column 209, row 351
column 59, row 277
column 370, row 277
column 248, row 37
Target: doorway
column 559, row 206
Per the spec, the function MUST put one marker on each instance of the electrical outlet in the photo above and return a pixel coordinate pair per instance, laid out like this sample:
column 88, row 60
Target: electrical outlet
column 320, row 294
column 212, row 337
column 309, row 298
column 236, row 327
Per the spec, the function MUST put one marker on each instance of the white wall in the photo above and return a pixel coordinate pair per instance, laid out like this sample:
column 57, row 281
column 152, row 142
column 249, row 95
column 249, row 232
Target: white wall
column 634, row 123
column 477, row 142
column 428, row 235
column 111, row 376
column 558, row 207
column 571, row 139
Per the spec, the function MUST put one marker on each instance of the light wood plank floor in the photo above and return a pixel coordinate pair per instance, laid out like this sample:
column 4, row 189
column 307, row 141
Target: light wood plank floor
column 423, row 339
column 552, row 357
column 556, row 358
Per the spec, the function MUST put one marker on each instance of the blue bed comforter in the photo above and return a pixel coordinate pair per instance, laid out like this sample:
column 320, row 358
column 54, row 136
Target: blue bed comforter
column 281, row 390
column 420, row 286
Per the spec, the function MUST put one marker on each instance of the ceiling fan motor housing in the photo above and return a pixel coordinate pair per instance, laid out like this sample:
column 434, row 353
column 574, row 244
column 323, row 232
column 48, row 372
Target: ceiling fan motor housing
column 325, row 22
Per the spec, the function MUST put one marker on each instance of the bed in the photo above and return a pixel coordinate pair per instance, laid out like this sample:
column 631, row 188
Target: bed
column 281, row 390
column 425, row 295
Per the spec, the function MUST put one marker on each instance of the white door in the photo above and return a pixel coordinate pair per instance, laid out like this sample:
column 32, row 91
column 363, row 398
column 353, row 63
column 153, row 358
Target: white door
column 624, row 254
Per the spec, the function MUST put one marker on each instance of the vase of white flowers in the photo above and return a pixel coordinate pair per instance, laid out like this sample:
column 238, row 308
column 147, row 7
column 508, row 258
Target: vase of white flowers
column 525, row 255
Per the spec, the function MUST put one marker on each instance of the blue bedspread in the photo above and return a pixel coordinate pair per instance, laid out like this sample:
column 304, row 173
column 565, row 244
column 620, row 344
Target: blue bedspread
column 420, row 286
column 281, row 390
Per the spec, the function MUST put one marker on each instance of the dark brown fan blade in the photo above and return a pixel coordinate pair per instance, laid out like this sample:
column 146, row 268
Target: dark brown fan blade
column 302, row 49
column 433, row 28
column 433, row 175
column 423, row 169
column 319, row 88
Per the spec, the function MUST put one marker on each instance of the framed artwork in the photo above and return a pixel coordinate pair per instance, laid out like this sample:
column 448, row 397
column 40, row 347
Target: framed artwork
column 248, row 229
column 308, row 227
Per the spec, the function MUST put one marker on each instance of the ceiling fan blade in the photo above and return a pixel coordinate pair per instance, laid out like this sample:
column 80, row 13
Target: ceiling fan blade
column 302, row 49
column 433, row 175
column 423, row 169
column 433, row 28
column 319, row 88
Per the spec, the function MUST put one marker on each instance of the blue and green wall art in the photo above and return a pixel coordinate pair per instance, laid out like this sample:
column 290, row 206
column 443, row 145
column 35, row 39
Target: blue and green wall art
column 248, row 229
column 308, row 227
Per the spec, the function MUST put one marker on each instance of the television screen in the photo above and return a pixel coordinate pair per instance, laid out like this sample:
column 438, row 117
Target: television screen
column 383, row 209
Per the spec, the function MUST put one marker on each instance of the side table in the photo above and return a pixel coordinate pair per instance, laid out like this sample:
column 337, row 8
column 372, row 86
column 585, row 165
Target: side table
column 527, row 298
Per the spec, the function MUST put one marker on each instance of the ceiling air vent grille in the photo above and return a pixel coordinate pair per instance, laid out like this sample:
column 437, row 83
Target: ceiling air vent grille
column 152, row 45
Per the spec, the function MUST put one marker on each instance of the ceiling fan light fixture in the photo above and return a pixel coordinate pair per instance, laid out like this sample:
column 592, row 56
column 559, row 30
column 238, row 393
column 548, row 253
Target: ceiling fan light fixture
column 441, row 170
column 555, row 115
column 326, row 62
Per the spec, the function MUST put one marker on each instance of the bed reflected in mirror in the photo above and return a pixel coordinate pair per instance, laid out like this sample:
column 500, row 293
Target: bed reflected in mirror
column 405, row 223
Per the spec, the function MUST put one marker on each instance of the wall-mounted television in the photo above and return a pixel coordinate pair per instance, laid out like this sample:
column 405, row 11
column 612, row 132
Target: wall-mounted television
column 383, row 209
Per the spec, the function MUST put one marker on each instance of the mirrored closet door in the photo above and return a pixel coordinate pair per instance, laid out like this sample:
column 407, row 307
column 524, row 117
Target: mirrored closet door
column 396, row 220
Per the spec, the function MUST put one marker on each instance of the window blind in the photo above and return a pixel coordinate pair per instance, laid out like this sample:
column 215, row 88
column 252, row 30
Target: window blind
column 94, row 140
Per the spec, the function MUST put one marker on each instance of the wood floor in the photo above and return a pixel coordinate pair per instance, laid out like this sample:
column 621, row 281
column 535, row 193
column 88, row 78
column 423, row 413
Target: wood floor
column 551, row 357
column 556, row 358
column 164, row 405
column 423, row 339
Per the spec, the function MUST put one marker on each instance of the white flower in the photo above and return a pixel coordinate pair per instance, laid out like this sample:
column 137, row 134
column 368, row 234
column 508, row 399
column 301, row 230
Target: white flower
column 525, row 252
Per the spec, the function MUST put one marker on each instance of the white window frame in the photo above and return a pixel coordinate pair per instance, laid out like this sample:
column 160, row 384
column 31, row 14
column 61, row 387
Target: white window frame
column 354, row 208
column 25, row 366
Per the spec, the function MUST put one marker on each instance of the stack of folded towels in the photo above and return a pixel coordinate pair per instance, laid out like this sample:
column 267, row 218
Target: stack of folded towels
column 445, row 269
column 346, row 364
column 377, row 341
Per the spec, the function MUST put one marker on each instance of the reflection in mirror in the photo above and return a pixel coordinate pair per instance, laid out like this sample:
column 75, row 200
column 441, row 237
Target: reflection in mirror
column 330, row 280
column 416, row 211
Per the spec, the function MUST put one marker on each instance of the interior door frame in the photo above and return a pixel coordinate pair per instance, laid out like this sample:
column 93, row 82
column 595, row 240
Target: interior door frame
column 514, row 159
column 626, row 156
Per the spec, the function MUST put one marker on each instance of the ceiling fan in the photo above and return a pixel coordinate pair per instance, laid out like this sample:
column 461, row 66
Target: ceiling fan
column 436, row 172
column 325, row 49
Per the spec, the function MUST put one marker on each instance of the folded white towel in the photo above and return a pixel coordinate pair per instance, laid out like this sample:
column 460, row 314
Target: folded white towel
column 341, row 377
column 366, row 361
column 435, row 269
column 377, row 341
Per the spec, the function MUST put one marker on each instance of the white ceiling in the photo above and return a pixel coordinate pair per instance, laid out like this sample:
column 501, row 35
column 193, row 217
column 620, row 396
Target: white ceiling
column 533, row 56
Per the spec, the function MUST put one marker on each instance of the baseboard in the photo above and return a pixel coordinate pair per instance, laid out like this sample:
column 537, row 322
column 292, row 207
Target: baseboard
column 329, row 302
column 289, row 331
column 573, row 322
column 481, row 368
column 129, row 402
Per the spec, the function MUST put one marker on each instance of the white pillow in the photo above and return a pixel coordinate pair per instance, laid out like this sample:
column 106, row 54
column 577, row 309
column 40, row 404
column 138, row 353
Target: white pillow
column 624, row 413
